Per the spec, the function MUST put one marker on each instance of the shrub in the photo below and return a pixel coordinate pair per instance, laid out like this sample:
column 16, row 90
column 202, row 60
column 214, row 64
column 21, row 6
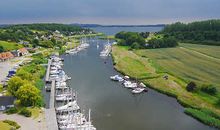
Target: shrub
column 210, row 89
column 12, row 110
column 191, row 86
column 25, row 112
column 12, row 123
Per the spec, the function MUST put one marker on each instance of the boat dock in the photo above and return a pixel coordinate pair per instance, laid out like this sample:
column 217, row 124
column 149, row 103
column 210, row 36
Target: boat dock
column 47, row 78
column 50, row 113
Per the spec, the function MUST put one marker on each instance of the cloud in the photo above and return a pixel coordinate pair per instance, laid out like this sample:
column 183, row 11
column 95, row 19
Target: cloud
column 117, row 11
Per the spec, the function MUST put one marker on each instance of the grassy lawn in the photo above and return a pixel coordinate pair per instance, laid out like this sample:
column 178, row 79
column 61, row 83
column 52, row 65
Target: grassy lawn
column 35, row 112
column 187, row 64
column 4, row 126
column 143, row 64
column 213, row 51
column 10, row 45
column 73, row 43
column 126, row 61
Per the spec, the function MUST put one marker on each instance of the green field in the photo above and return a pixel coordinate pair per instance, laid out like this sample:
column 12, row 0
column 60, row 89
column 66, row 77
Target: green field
column 213, row 51
column 8, row 46
column 186, row 64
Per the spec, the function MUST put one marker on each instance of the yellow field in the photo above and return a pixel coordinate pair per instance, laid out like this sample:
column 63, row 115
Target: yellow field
column 4, row 126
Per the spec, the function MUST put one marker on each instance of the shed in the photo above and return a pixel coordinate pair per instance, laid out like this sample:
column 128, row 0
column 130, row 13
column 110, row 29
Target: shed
column 6, row 102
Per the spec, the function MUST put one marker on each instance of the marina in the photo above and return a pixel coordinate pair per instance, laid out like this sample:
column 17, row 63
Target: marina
column 64, row 112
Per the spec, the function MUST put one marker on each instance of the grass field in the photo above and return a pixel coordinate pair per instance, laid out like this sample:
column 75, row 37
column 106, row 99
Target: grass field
column 213, row 51
column 4, row 126
column 143, row 64
column 186, row 64
column 10, row 45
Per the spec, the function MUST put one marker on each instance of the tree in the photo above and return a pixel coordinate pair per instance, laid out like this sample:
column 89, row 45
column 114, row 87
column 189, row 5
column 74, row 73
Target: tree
column 191, row 86
column 29, row 95
column 24, row 75
column 1, row 49
column 35, row 42
column 135, row 45
column 210, row 89
column 14, row 84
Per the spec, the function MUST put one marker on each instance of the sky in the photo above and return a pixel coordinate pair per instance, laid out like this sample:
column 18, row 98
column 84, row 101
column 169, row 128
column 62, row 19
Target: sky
column 109, row 12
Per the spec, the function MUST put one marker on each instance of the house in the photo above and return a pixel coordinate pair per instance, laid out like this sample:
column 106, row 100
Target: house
column 22, row 51
column 6, row 102
column 6, row 56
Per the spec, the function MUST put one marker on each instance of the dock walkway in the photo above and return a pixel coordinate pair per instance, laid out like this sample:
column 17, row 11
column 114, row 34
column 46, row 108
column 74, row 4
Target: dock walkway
column 47, row 79
column 51, row 113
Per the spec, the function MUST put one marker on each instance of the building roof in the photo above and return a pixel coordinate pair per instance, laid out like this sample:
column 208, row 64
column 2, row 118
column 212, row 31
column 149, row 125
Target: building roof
column 23, row 50
column 6, row 55
column 6, row 100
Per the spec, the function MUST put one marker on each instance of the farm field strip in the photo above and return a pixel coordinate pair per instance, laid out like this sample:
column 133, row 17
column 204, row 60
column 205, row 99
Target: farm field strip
column 186, row 64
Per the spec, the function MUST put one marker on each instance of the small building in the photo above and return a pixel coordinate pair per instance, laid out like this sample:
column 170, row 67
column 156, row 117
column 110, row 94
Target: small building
column 22, row 51
column 6, row 56
column 6, row 102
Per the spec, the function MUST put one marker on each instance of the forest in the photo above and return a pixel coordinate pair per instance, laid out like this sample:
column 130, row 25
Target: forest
column 202, row 32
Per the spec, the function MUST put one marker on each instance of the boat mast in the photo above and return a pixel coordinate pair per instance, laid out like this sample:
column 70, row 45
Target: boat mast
column 89, row 118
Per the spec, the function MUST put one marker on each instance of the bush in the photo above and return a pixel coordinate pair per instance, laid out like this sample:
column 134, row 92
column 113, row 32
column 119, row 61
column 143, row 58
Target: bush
column 25, row 112
column 191, row 87
column 210, row 89
column 12, row 110
column 12, row 123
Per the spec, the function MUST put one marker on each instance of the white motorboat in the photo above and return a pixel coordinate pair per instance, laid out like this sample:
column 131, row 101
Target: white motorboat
column 64, row 98
column 54, row 72
column 69, row 106
column 117, row 78
column 59, row 87
column 129, row 84
column 137, row 90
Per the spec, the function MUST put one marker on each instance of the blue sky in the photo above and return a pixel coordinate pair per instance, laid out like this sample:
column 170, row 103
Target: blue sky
column 108, row 11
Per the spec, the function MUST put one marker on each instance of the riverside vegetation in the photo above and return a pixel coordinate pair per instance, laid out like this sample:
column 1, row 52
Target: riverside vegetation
column 192, row 71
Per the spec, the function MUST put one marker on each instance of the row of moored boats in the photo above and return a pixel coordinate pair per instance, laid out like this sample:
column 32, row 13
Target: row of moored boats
column 106, row 51
column 83, row 45
column 127, row 83
column 68, row 112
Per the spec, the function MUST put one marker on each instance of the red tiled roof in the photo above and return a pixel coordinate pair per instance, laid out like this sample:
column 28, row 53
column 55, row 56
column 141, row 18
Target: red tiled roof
column 23, row 50
column 6, row 55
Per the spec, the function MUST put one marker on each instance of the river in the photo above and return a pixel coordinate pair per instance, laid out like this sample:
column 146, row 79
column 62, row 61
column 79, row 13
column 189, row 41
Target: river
column 116, row 108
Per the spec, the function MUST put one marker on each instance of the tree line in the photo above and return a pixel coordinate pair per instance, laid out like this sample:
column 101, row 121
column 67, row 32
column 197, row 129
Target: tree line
column 137, row 40
column 203, row 32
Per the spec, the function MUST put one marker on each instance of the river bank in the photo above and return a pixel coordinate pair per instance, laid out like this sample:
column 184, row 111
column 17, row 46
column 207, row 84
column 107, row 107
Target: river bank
column 145, row 70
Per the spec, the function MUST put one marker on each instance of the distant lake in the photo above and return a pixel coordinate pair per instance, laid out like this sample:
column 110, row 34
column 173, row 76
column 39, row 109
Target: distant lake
column 114, row 30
